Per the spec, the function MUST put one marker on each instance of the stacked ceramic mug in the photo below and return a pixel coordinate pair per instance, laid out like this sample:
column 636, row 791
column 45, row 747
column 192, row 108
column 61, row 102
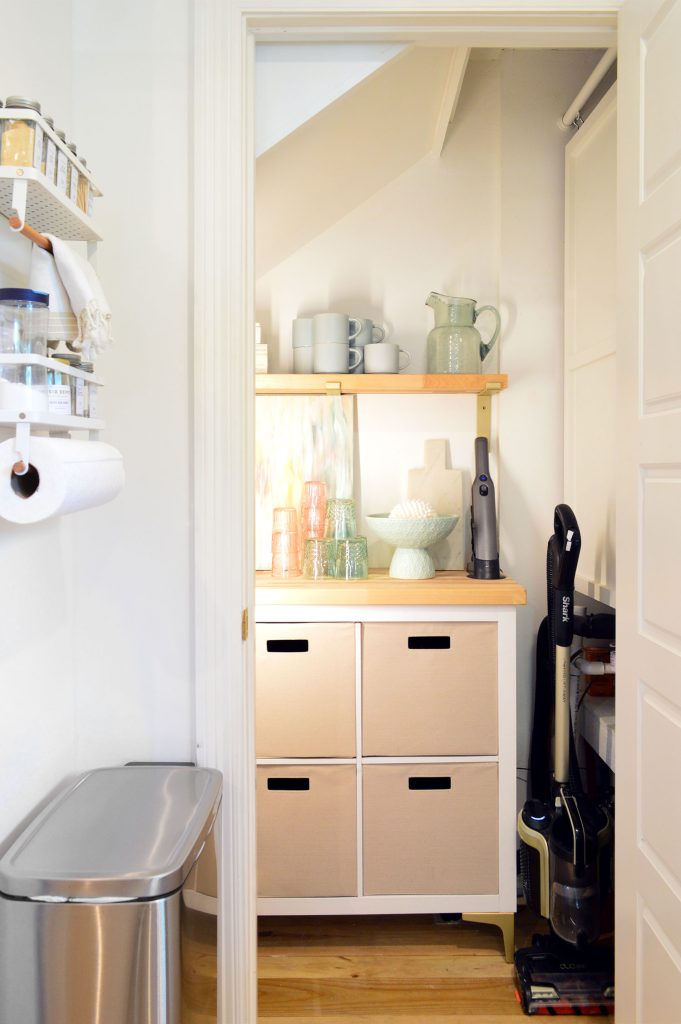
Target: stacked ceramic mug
column 333, row 343
column 285, row 543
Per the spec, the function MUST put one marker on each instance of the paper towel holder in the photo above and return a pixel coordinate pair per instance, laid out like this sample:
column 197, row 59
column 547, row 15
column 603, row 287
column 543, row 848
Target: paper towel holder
column 23, row 442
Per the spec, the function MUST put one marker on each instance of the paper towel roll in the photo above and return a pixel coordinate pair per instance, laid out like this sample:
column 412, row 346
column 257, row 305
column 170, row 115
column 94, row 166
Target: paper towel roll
column 65, row 476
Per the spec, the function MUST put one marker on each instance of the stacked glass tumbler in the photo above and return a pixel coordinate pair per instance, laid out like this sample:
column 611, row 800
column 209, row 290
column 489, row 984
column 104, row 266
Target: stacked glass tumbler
column 351, row 557
column 318, row 553
column 285, row 543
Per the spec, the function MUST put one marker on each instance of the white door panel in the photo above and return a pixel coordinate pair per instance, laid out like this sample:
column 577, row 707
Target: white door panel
column 662, row 354
column 660, row 723
column 661, row 105
column 648, row 847
column 659, row 972
column 661, row 555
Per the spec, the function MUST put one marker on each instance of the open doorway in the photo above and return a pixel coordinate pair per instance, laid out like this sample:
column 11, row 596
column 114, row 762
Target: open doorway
column 228, row 716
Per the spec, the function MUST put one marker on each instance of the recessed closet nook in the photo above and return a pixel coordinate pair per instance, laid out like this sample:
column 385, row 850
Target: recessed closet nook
column 262, row 161
column 419, row 169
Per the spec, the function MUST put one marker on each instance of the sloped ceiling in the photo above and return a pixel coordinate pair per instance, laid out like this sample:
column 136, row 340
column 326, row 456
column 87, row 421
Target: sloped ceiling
column 352, row 148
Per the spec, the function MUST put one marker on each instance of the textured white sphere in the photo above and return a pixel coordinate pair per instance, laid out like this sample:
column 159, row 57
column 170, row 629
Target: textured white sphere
column 413, row 509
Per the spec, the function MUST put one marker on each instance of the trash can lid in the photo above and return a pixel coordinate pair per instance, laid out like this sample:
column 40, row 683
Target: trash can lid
column 115, row 834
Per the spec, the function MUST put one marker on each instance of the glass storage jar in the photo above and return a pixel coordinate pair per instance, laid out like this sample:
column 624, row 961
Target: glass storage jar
column 59, row 388
column 48, row 164
column 23, row 321
column 62, row 164
column 90, row 389
column 23, row 388
column 83, row 200
column 22, row 138
column 72, row 175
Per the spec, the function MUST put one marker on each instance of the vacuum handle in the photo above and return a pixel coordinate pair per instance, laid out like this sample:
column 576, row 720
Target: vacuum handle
column 481, row 456
column 568, row 545
column 564, row 546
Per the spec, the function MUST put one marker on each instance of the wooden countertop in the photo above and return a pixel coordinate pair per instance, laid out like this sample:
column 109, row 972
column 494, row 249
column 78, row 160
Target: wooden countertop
column 446, row 588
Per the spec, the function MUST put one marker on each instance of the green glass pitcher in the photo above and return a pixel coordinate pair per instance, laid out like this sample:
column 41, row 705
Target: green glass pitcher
column 454, row 344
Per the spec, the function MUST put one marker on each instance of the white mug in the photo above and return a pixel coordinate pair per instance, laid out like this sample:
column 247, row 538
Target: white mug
column 370, row 333
column 334, row 329
column 384, row 358
column 301, row 332
column 334, row 358
column 302, row 360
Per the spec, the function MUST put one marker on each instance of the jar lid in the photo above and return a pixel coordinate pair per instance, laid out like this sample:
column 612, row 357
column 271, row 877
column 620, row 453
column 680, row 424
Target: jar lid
column 24, row 295
column 72, row 147
column 22, row 103
column 61, row 135
column 50, row 121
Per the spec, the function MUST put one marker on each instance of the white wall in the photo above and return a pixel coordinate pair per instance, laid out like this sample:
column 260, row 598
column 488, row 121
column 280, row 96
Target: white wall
column 486, row 220
column 37, row 725
column 96, row 607
column 294, row 81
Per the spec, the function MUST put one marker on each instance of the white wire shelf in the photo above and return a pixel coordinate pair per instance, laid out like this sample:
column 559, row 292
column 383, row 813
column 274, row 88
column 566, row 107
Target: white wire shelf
column 32, row 359
column 49, row 420
column 46, row 209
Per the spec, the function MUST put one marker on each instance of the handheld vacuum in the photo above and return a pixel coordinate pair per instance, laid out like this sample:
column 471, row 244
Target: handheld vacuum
column 565, row 836
column 485, row 564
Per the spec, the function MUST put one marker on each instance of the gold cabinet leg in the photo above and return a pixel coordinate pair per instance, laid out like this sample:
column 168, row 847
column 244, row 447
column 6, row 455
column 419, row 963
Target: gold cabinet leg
column 506, row 922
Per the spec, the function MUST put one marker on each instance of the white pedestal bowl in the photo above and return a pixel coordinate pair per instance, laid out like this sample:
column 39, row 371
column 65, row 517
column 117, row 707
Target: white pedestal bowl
column 412, row 538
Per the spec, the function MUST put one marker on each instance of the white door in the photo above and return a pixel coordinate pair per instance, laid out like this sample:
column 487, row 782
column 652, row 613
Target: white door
column 648, row 854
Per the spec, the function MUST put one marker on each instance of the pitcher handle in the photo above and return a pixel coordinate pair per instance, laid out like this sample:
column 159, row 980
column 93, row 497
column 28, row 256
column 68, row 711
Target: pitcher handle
column 486, row 348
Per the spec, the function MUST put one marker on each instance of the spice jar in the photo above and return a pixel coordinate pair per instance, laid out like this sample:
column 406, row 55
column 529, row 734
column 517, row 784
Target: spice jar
column 77, row 383
column 62, row 164
column 83, row 199
column 72, row 176
column 23, row 321
column 49, row 161
column 59, row 388
column 22, row 138
column 90, row 391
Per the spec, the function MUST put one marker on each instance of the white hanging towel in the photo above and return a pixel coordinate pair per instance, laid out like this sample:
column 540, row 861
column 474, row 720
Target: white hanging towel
column 86, row 297
column 44, row 277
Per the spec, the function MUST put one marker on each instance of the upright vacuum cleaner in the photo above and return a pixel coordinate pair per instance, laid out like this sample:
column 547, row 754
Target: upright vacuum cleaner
column 565, row 848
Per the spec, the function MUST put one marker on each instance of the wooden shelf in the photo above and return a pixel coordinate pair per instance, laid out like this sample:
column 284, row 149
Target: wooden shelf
column 379, row 383
column 448, row 587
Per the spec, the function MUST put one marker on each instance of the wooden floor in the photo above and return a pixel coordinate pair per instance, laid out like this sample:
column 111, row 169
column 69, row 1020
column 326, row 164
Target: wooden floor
column 386, row 970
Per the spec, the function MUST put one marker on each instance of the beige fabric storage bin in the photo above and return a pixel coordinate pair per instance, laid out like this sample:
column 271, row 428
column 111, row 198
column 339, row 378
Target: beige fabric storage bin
column 305, row 689
column 431, row 829
column 307, row 830
column 429, row 688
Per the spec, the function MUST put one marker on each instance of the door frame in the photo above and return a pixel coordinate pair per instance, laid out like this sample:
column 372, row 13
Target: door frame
column 224, row 37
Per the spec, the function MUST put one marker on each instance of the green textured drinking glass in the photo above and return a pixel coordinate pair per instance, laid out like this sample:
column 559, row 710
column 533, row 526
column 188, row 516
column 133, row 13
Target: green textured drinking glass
column 352, row 559
column 320, row 558
column 340, row 518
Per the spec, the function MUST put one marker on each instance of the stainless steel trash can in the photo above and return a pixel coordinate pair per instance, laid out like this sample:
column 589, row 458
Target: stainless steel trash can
column 108, row 902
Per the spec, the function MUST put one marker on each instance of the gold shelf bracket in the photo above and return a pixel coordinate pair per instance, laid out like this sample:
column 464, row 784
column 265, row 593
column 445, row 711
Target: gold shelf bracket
column 484, row 409
column 332, row 388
